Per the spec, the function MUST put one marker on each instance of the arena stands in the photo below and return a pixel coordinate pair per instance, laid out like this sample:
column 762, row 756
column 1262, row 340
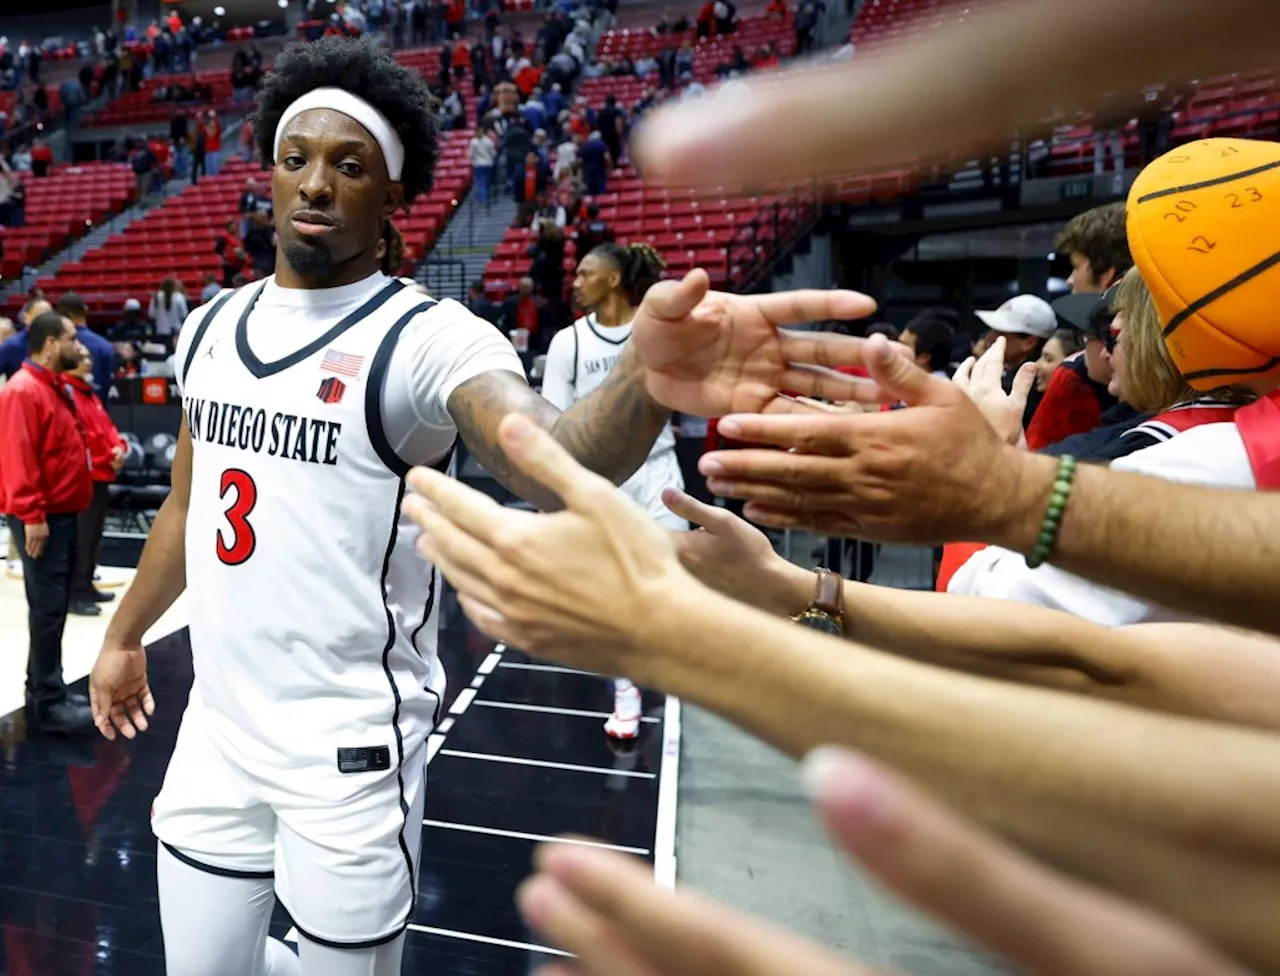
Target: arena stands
column 431, row 213
column 727, row 235
column 709, row 53
column 177, row 238
column 142, row 106
column 173, row 239
column 1237, row 105
column 9, row 99
column 61, row 207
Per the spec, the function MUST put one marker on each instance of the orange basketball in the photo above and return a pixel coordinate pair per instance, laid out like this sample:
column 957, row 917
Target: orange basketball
column 1202, row 223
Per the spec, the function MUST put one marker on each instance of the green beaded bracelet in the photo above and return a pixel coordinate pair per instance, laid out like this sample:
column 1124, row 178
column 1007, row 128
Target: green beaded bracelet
column 1053, row 513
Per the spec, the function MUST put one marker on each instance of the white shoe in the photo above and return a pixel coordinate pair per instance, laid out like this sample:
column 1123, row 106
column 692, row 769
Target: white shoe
column 624, row 723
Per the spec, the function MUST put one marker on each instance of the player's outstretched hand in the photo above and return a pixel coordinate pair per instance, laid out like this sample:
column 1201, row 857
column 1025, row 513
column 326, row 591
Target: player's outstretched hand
column 604, row 908
column 732, row 556
column 934, row 472
column 709, row 353
column 582, row 585
column 118, row 691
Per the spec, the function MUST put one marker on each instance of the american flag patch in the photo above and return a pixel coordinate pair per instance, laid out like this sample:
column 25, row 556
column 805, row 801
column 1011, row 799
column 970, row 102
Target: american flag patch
column 342, row 362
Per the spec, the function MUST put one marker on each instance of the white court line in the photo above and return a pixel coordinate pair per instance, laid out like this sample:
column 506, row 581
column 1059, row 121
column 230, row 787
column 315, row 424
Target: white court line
column 551, row 710
column 444, row 726
column 292, row 936
column 463, row 701
column 489, row 663
column 489, row 757
column 434, row 742
column 477, row 681
column 664, row 839
column 488, row 940
column 553, row 668
column 542, row 838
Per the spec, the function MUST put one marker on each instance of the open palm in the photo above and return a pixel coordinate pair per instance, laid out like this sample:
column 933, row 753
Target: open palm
column 709, row 353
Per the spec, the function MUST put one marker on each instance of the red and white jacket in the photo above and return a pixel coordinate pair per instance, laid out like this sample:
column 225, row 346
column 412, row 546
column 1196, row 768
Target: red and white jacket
column 100, row 433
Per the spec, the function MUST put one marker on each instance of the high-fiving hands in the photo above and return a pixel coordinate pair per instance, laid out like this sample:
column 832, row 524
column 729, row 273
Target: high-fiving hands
column 604, row 908
column 709, row 353
column 735, row 558
column 582, row 585
column 934, row 472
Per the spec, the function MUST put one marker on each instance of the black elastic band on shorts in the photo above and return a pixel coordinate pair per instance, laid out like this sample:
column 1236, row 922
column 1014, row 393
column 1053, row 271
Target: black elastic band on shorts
column 191, row 862
column 366, row 944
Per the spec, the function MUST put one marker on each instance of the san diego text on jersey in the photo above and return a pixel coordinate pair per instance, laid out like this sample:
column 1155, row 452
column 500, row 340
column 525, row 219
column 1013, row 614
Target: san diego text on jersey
column 282, row 435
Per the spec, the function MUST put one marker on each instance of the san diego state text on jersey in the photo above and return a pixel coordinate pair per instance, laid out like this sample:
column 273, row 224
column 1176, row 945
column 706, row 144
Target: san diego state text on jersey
column 284, row 435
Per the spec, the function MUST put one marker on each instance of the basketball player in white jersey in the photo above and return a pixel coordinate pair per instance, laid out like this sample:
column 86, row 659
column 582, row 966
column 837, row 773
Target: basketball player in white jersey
column 609, row 286
column 298, row 770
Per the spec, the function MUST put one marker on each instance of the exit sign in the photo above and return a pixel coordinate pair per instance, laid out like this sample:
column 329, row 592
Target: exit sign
column 1080, row 189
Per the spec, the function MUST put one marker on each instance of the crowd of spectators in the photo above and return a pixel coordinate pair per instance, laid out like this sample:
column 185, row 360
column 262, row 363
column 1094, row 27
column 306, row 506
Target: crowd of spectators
column 548, row 148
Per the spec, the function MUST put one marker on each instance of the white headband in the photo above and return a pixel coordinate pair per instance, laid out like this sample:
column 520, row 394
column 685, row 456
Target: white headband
column 357, row 108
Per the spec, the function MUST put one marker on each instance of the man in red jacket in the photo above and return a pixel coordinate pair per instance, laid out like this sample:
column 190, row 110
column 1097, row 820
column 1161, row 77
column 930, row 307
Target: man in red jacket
column 106, row 456
column 44, row 484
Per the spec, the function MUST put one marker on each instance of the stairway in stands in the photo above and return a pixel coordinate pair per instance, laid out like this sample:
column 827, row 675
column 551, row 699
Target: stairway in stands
column 461, row 253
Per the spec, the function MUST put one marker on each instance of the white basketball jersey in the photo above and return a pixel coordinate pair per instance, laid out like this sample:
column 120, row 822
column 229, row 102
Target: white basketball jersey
column 578, row 360
column 312, row 618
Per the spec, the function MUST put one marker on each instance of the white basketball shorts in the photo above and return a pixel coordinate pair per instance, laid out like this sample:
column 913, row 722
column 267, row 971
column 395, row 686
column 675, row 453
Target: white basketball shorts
column 345, row 870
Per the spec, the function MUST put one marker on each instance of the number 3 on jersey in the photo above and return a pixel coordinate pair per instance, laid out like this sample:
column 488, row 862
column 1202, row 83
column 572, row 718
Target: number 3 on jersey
column 243, row 540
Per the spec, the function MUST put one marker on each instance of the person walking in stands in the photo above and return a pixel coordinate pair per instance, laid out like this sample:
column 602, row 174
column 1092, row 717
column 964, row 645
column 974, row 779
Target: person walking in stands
column 199, row 152
column 106, row 457
column 612, row 124
column 213, row 142
column 168, row 310
column 596, row 163
column 483, row 154
column 44, row 485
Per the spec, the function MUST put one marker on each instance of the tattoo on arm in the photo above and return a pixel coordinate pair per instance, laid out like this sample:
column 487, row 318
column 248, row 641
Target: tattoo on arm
column 611, row 431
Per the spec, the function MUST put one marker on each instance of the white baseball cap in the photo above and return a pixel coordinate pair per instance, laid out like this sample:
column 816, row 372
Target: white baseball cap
column 132, row 305
column 1022, row 315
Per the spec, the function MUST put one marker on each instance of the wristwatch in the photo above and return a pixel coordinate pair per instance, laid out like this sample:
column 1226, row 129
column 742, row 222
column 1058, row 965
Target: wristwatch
column 825, row 612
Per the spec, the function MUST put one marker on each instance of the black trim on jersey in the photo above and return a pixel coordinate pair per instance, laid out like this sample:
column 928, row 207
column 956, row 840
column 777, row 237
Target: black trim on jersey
column 413, row 639
column 395, row 692
column 260, row 369
column 573, row 384
column 426, row 614
column 200, row 331
column 366, row 944
column 591, row 324
column 191, row 862
column 373, row 397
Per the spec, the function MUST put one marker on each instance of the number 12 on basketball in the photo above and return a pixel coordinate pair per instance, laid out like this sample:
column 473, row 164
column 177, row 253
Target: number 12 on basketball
column 238, row 489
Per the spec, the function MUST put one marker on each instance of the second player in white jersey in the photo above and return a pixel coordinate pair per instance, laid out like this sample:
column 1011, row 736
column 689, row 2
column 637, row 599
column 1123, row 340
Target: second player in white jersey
column 610, row 282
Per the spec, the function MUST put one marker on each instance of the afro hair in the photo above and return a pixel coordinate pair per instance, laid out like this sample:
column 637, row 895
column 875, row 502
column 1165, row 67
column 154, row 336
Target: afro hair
column 362, row 68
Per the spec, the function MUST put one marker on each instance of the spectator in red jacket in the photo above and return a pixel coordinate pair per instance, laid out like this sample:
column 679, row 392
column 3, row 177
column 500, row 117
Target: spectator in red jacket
column 44, row 485
column 106, row 457
column 229, row 247
column 212, row 142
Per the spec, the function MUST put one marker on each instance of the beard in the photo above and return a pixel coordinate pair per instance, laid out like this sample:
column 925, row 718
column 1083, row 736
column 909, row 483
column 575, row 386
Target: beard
column 68, row 362
column 309, row 260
